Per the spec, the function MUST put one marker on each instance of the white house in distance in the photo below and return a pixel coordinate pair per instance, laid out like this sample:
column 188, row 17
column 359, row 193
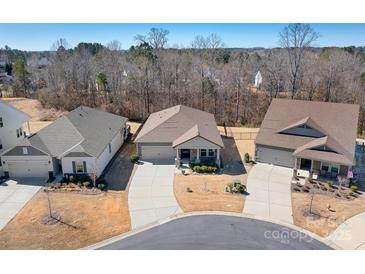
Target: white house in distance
column 258, row 80
column 12, row 121
column 80, row 142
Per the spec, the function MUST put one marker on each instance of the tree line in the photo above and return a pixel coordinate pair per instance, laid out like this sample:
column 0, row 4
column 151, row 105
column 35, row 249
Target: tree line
column 150, row 76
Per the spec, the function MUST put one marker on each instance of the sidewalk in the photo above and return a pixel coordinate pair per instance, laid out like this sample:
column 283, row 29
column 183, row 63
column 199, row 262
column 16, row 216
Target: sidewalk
column 350, row 234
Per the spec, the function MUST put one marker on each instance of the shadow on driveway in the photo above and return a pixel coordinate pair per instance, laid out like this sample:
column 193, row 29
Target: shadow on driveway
column 231, row 158
column 25, row 181
column 120, row 168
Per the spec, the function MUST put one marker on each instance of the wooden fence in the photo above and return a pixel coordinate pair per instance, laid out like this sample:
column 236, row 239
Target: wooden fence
column 249, row 135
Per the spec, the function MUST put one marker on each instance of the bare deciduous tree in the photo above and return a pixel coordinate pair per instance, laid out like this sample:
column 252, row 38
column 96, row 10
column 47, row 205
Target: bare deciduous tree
column 296, row 39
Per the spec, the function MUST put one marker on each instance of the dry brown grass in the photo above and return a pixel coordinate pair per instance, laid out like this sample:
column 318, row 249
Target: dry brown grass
column 40, row 117
column 208, row 193
column 134, row 126
column 243, row 146
column 88, row 219
column 323, row 222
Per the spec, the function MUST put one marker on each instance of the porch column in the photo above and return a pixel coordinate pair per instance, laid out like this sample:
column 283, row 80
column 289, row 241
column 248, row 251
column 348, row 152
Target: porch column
column 311, row 169
column 295, row 168
column 197, row 154
column 218, row 158
column 177, row 154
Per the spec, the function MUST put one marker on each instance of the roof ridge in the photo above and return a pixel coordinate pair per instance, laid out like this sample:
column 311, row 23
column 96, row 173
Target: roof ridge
column 160, row 122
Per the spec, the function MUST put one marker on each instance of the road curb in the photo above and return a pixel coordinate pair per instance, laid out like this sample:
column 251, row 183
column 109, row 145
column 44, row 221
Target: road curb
column 203, row 213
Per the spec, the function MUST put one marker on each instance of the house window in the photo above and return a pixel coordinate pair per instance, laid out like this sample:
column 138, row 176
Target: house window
column 1, row 122
column 211, row 153
column 110, row 148
column 325, row 166
column 17, row 133
column 20, row 132
column 1, row 163
column 335, row 168
column 1, row 145
column 25, row 150
column 203, row 152
column 79, row 167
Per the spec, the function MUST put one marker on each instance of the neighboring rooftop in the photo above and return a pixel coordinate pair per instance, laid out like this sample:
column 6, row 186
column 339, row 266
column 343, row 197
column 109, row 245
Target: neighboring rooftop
column 4, row 104
column 83, row 131
column 179, row 124
column 306, row 126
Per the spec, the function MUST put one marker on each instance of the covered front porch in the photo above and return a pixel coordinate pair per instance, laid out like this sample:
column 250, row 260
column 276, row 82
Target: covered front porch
column 322, row 170
column 197, row 155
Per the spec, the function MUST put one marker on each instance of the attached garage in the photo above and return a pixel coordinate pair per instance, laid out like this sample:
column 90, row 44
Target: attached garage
column 156, row 152
column 28, row 169
column 274, row 156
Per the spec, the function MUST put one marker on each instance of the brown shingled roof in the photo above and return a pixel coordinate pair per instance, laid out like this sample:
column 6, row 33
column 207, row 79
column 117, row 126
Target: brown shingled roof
column 179, row 124
column 337, row 122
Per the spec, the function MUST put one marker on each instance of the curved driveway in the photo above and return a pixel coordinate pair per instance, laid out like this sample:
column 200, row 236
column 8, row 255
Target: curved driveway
column 217, row 232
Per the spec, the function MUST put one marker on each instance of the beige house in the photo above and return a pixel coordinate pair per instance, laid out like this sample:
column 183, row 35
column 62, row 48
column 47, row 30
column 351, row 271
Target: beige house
column 180, row 133
column 316, row 136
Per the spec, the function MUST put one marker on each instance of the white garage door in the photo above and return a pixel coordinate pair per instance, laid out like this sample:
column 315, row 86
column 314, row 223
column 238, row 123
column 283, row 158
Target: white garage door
column 275, row 156
column 28, row 169
column 158, row 153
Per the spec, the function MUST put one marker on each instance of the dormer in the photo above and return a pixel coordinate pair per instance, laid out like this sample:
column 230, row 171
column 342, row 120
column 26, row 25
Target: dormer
column 305, row 127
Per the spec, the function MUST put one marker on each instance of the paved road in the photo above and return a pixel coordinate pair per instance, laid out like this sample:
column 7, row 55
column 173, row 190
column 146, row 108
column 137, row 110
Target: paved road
column 14, row 194
column 151, row 195
column 270, row 194
column 217, row 232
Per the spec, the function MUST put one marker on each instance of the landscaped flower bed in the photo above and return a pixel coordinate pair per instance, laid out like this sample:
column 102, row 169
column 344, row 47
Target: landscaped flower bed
column 80, row 183
column 235, row 187
column 204, row 168
column 340, row 192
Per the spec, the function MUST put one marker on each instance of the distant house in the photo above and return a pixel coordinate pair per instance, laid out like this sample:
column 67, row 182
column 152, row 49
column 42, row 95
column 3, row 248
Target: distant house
column 316, row 136
column 180, row 133
column 258, row 80
column 80, row 142
column 12, row 121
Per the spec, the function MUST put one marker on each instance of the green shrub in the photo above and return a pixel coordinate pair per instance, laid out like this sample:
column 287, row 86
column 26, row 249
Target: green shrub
column 86, row 183
column 241, row 188
column 353, row 188
column 330, row 184
column 247, row 158
column 205, row 168
column 134, row 158
column 101, row 186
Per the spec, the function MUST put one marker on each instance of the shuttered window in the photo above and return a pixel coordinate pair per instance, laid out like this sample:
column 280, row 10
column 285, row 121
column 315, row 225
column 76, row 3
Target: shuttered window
column 79, row 167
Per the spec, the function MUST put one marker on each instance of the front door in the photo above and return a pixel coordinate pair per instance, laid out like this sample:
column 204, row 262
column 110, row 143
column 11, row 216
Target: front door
column 185, row 154
column 305, row 164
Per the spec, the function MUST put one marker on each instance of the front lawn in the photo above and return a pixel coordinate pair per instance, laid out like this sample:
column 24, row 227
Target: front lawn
column 85, row 220
column 323, row 211
column 207, row 193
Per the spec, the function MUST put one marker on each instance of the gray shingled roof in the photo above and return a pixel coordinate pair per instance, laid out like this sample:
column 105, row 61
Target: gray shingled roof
column 83, row 131
column 179, row 124
column 6, row 104
column 337, row 123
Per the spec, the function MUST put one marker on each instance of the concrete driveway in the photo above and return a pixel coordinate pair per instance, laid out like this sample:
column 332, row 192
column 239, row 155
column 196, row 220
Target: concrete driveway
column 350, row 234
column 269, row 189
column 151, row 195
column 14, row 194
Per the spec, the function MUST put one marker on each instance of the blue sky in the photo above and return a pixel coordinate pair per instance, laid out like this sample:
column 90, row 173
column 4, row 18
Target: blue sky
column 42, row 36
